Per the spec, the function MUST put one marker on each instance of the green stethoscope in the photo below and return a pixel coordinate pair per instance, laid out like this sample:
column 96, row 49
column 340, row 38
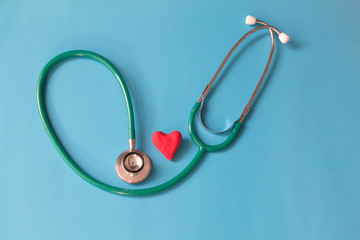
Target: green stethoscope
column 128, row 162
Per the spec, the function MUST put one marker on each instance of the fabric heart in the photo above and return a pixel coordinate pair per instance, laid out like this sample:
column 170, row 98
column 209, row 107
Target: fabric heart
column 167, row 143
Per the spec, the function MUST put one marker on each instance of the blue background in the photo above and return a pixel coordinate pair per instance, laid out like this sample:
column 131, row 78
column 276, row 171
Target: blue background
column 293, row 173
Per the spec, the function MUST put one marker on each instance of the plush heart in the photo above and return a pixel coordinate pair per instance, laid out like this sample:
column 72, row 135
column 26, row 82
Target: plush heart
column 167, row 143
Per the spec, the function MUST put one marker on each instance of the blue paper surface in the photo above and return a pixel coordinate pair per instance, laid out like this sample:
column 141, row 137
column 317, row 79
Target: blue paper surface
column 293, row 172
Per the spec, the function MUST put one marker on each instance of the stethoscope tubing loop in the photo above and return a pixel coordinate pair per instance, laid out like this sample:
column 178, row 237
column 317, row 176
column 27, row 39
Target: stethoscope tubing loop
column 64, row 154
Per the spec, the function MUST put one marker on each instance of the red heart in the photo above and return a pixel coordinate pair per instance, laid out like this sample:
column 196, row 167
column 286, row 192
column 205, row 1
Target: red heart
column 167, row 143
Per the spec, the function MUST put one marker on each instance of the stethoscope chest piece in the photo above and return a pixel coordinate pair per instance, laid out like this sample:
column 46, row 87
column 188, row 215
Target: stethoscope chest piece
column 133, row 166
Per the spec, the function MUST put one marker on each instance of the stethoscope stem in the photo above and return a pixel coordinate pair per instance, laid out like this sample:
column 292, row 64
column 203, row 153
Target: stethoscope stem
column 132, row 144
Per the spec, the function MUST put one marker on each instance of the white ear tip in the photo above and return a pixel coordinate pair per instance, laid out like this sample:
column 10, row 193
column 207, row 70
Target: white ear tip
column 284, row 38
column 250, row 20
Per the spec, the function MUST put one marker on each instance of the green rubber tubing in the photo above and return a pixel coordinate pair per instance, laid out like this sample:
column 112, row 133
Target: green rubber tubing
column 123, row 191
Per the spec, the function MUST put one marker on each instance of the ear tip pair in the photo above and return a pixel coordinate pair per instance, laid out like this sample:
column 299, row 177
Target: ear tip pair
column 283, row 37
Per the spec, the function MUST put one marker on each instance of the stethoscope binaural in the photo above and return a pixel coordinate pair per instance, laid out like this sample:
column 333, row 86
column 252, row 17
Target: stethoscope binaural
column 133, row 165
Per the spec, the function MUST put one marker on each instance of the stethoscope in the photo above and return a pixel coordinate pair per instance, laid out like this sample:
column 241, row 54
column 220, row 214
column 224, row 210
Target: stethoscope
column 133, row 165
